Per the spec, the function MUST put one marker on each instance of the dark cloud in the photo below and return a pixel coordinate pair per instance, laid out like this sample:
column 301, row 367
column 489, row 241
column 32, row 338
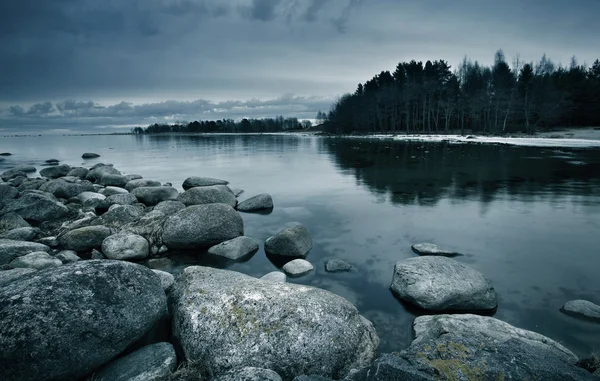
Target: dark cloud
column 341, row 22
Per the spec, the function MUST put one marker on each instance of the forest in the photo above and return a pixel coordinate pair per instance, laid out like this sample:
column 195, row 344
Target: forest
column 503, row 98
column 278, row 124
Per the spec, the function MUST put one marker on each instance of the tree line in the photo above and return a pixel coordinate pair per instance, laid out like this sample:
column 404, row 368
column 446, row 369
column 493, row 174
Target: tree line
column 278, row 124
column 431, row 98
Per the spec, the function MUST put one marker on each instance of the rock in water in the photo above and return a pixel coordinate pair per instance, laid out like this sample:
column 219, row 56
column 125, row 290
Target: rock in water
column 153, row 362
column 56, row 171
column 337, row 265
column 208, row 195
column 259, row 202
column 37, row 260
column 153, row 195
column 125, row 246
column 582, row 309
column 36, row 207
column 138, row 183
column 249, row 373
column 298, row 267
column 432, row 249
column 294, row 242
column 89, row 155
column 274, row 276
column 226, row 320
column 439, row 283
column 192, row 182
column 62, row 323
column 10, row 249
column 85, row 238
column 235, row 249
column 200, row 226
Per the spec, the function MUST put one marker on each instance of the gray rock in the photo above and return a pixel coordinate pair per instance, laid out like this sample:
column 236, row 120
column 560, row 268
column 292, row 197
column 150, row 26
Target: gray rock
column 432, row 249
column 55, row 171
column 12, row 221
column 37, row 260
column 67, row 256
column 21, row 168
column 153, row 195
column 125, row 246
column 292, row 242
column 48, row 241
column 582, row 309
column 259, row 202
column 169, row 207
column 138, row 183
column 118, row 199
column 12, row 174
column 110, row 190
column 192, row 182
column 78, row 172
column 133, row 176
column 160, row 263
column 32, row 184
column 298, row 267
column 236, row 191
column 5, row 154
column 89, row 155
column 154, row 362
column 90, row 198
column 10, row 249
column 440, row 283
column 16, row 181
column 274, row 276
column 225, row 320
column 121, row 215
column 110, row 179
column 249, row 373
column 97, row 171
column 208, row 195
column 7, row 192
column 149, row 226
column 22, row 234
column 52, row 161
column 166, row 279
column 314, row 378
column 62, row 189
column 85, row 238
column 200, row 226
column 235, row 249
column 7, row 276
column 62, row 323
column 36, row 207
column 337, row 265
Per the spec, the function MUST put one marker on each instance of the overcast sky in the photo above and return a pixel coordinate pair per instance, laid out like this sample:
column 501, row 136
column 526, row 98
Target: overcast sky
column 97, row 65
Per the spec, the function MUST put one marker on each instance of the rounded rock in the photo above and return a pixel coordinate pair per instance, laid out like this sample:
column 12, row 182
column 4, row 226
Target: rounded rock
column 192, row 182
column 298, row 267
column 153, row 195
column 294, row 242
column 235, row 249
column 256, row 203
column 208, row 195
column 85, row 238
column 125, row 247
column 37, row 260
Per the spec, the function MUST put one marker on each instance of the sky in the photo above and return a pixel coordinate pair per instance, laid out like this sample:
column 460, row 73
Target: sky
column 104, row 66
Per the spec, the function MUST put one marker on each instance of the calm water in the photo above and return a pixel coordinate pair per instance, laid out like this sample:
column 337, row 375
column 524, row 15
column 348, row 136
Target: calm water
column 528, row 218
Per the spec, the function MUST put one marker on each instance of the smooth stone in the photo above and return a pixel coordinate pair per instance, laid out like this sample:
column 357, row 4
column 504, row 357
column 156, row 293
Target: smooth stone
column 582, row 309
column 153, row 195
column 110, row 179
column 154, row 362
column 61, row 323
column 84, row 239
column 138, row 183
column 52, row 161
column 37, row 260
column 235, row 249
column 32, row 184
column 120, row 215
column 89, row 155
column 225, row 320
column 22, row 234
column 7, row 192
column 292, row 242
column 67, row 256
column 110, row 191
column 7, row 276
column 36, row 207
column 12, row 221
column 201, row 226
column 55, row 171
column 337, row 265
column 169, row 207
column 125, row 247
column 274, row 276
column 78, row 172
column 133, row 176
column 439, row 283
column 298, row 267
column 10, row 249
column 160, row 263
column 259, row 202
column 208, row 195
column 192, row 182
column 99, row 170
column 249, row 373
column 62, row 189
column 118, row 199
column 432, row 249
column 237, row 191
column 166, row 279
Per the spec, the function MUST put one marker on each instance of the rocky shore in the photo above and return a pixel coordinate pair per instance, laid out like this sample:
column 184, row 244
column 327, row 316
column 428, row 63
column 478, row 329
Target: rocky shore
column 81, row 297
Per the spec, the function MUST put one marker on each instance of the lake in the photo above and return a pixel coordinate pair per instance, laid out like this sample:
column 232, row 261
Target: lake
column 526, row 217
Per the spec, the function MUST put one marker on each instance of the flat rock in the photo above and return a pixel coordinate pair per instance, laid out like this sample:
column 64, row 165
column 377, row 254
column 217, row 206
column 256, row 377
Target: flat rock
column 62, row 189
column 37, row 260
column 337, row 265
column 582, row 309
column 432, row 249
column 192, row 182
column 153, row 195
column 7, row 276
column 297, row 267
column 169, row 207
column 235, row 249
column 22, row 234
column 138, row 183
column 36, row 207
column 154, row 362
column 200, row 226
column 56, row 171
column 134, row 176
column 208, row 195
column 62, row 323
column 85, row 238
column 439, row 283
column 166, row 279
column 274, row 276
column 256, row 203
column 125, row 246
column 293, row 241
column 225, row 320
column 89, row 155
column 10, row 249
column 249, row 373
column 67, row 256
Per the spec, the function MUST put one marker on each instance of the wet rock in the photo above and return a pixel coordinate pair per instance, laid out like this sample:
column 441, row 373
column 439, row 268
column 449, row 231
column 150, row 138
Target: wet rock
column 7, row 192
column 192, row 182
column 78, row 172
column 274, row 276
column 89, row 155
column 208, row 195
column 55, row 171
column 125, row 246
column 235, row 249
column 439, row 283
column 99, row 170
column 110, row 179
column 10, row 249
column 337, row 265
column 138, row 183
column 298, row 267
column 62, row 189
column 22, row 234
column 11, row 221
column 110, row 190
column 290, row 329
column 153, row 195
column 259, row 202
column 169, row 207
column 84, row 239
column 582, row 309
column 154, row 362
column 166, row 279
column 37, row 260
column 294, row 242
column 67, row 256
column 7, row 276
column 200, row 226
column 17, row 171
column 249, row 373
column 432, row 249
column 36, row 207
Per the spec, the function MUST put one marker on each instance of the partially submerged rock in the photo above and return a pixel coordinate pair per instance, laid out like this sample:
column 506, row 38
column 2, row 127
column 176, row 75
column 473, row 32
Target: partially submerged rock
column 432, row 249
column 582, row 309
column 208, row 195
column 256, row 203
column 235, row 249
column 89, row 155
column 293, row 242
column 192, row 182
column 337, row 265
column 298, row 267
column 153, row 362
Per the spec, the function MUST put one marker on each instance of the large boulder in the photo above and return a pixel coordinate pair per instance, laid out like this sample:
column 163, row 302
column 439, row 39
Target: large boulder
column 200, row 226
column 37, row 260
column 582, row 309
column 225, row 320
column 440, row 283
column 432, row 249
column 154, row 362
column 56, row 171
column 293, row 242
column 99, row 170
column 208, row 195
column 249, row 373
column 153, row 195
column 125, row 246
column 36, row 207
column 235, row 249
column 85, row 238
column 7, row 276
column 62, row 189
column 192, row 182
column 138, row 183
column 78, row 172
column 10, row 249
column 63, row 323
column 256, row 203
